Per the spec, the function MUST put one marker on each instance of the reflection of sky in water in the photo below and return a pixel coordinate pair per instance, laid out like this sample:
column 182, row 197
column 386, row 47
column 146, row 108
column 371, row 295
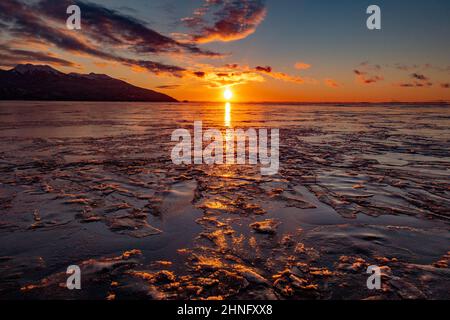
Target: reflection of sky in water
column 100, row 119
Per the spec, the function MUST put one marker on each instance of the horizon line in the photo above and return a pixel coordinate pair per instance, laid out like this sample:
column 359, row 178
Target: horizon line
column 433, row 102
column 440, row 102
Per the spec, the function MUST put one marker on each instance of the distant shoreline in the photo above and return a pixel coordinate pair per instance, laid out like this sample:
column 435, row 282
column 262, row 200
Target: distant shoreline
column 124, row 101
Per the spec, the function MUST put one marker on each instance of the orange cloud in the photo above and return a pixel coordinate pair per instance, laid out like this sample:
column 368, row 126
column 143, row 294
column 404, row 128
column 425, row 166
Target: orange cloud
column 302, row 65
column 285, row 77
column 234, row 74
column 331, row 83
column 228, row 75
column 278, row 75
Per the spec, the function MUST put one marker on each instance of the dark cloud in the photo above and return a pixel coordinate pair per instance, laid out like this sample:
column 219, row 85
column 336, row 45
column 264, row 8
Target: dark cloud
column 365, row 77
column 416, row 77
column 427, row 84
column 169, row 86
column 154, row 67
column 226, row 20
column 110, row 27
column 25, row 22
column 415, row 84
column 267, row 69
column 199, row 74
column 368, row 73
column 419, row 77
column 445, row 85
column 366, row 65
column 404, row 67
column 417, row 67
column 420, row 81
column 407, row 85
column 12, row 57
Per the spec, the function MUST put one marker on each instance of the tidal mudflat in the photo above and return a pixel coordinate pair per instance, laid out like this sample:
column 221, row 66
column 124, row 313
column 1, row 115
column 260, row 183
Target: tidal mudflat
column 93, row 184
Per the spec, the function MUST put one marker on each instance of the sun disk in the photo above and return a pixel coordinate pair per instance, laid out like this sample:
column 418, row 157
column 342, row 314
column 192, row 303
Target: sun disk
column 227, row 94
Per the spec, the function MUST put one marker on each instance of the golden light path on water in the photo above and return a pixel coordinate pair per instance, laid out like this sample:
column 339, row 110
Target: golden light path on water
column 227, row 114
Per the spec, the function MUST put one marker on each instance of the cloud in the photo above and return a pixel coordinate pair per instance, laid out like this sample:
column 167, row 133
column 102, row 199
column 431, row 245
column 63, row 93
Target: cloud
column 367, row 73
column 419, row 81
column 417, row 67
column 366, row 65
column 219, row 80
column 286, row 77
column 234, row 74
column 116, row 29
column 366, row 78
column 224, row 76
column 225, row 20
column 25, row 24
column 107, row 34
column 12, row 57
column 331, row 83
column 445, row 85
column 414, row 85
column 110, row 37
column 419, row 77
column 168, row 86
column 302, row 65
column 267, row 69
column 405, row 67
column 154, row 67
column 232, row 66
column 199, row 74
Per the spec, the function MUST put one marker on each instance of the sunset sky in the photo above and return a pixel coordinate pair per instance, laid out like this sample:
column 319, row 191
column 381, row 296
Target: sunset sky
column 274, row 50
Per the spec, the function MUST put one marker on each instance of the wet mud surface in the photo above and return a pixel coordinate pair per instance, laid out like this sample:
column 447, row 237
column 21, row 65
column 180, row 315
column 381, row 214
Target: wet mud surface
column 93, row 185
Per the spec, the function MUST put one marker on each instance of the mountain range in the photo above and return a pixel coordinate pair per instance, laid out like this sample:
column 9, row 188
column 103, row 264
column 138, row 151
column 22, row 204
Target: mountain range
column 42, row 82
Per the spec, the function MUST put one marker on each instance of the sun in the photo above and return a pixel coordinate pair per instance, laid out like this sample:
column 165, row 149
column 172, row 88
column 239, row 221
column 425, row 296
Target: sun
column 228, row 94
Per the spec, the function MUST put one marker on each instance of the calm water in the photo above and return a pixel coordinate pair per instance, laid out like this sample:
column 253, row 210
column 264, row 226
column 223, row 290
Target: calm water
column 82, row 183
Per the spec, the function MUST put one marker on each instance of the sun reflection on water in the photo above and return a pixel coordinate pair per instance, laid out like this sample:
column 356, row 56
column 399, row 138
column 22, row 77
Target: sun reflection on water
column 228, row 114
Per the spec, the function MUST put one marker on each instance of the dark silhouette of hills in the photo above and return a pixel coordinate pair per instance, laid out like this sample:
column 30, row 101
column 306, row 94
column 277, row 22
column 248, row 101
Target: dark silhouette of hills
column 41, row 82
